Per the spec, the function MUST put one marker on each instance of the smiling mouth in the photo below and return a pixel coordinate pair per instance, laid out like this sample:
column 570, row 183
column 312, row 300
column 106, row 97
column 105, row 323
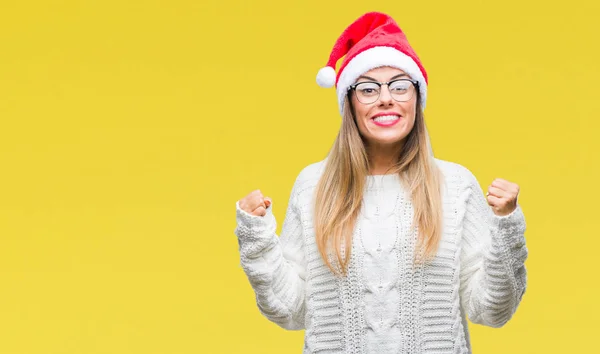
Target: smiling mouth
column 386, row 118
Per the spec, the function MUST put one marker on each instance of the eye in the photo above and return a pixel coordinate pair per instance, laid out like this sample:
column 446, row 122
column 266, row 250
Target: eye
column 400, row 86
column 367, row 89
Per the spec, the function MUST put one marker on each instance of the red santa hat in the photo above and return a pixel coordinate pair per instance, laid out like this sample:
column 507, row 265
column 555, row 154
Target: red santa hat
column 372, row 41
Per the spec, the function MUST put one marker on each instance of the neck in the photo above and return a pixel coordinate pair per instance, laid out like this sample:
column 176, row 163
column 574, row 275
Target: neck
column 382, row 158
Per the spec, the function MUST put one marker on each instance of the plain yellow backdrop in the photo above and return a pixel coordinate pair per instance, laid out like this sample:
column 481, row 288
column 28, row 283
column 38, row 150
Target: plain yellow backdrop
column 130, row 128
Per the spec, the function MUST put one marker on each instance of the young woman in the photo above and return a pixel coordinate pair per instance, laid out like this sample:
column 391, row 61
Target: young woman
column 384, row 248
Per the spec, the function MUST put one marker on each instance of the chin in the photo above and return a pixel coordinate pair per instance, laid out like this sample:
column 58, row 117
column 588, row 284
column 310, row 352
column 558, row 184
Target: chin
column 388, row 140
column 390, row 137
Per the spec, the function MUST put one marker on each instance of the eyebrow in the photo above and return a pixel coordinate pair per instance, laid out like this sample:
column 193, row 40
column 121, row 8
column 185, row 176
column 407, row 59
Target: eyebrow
column 372, row 79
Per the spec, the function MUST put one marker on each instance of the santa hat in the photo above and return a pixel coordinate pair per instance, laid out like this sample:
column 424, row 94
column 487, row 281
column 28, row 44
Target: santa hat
column 372, row 41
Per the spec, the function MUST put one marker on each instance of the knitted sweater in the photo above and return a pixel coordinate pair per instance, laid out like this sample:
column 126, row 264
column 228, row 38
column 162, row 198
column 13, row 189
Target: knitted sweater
column 387, row 304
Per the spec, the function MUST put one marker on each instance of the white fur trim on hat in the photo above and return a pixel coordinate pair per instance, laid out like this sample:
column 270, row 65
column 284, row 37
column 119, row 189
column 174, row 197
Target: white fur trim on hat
column 376, row 57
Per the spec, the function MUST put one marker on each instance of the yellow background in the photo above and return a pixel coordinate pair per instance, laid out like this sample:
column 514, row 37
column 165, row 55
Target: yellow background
column 130, row 128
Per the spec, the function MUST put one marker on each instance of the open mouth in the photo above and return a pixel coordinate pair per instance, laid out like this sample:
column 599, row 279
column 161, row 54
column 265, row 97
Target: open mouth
column 386, row 120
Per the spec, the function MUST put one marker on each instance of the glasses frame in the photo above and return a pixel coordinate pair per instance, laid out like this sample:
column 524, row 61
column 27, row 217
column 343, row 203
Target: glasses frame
column 380, row 84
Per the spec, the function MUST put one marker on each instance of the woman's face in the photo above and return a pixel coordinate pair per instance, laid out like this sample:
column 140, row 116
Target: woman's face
column 385, row 121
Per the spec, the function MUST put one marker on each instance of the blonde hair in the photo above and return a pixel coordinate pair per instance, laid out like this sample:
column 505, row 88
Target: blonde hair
column 339, row 192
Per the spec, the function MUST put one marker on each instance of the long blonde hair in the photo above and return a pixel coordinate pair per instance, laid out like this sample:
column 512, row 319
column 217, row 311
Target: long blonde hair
column 339, row 192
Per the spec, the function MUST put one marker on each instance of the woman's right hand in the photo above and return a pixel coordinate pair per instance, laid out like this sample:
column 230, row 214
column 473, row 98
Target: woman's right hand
column 255, row 203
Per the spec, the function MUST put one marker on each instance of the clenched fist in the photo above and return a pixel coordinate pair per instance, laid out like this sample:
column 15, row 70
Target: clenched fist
column 502, row 196
column 255, row 203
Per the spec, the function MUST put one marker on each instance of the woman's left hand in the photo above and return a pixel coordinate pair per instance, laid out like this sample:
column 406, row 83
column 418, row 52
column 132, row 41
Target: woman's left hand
column 502, row 196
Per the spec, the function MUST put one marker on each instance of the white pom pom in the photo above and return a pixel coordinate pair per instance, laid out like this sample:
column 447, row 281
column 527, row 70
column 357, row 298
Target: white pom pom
column 326, row 77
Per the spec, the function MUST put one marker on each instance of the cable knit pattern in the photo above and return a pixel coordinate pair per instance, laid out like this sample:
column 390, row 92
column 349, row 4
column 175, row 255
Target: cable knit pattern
column 387, row 304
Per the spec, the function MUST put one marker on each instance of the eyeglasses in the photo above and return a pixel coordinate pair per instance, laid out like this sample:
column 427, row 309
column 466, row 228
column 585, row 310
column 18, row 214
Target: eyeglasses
column 368, row 92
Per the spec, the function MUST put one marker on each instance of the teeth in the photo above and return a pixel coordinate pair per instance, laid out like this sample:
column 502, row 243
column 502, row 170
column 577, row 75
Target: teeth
column 386, row 118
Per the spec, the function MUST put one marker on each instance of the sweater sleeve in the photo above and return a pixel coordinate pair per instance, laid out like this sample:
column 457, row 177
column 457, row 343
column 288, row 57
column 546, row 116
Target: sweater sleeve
column 493, row 277
column 275, row 266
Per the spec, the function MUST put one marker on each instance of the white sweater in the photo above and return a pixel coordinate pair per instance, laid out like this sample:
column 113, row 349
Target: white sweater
column 386, row 304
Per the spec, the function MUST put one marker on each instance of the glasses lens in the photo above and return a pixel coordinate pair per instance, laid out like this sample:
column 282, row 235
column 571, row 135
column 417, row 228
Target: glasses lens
column 367, row 92
column 401, row 90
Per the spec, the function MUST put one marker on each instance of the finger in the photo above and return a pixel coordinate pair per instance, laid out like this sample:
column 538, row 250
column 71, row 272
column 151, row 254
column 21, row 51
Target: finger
column 497, row 192
column 268, row 201
column 500, row 182
column 505, row 185
column 249, row 204
column 260, row 211
column 259, row 204
column 493, row 200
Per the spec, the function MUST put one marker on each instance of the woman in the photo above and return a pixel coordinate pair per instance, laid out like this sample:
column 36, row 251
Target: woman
column 384, row 248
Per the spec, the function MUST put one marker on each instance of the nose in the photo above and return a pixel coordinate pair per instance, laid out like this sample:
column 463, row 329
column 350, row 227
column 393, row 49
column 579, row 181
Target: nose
column 385, row 96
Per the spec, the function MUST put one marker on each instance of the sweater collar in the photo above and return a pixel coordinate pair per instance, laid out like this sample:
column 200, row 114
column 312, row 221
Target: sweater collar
column 389, row 181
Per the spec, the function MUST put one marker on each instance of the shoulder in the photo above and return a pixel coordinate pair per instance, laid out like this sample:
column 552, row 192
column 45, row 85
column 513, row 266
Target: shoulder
column 456, row 173
column 450, row 168
column 308, row 177
column 312, row 171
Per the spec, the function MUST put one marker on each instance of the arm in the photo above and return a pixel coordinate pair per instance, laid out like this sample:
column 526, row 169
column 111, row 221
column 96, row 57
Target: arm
column 493, row 277
column 275, row 266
